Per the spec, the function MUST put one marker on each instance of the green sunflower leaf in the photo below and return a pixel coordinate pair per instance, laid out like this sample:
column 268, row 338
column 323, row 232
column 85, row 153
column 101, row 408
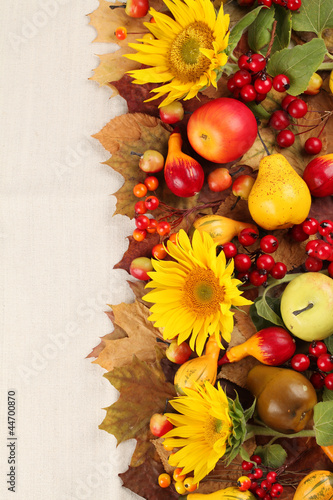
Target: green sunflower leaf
column 239, row 418
column 323, row 423
column 314, row 16
column 237, row 30
column 298, row 63
column 259, row 33
column 272, row 456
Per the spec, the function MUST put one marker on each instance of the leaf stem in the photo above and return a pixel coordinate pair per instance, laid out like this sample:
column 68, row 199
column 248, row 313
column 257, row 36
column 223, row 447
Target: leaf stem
column 257, row 430
column 326, row 65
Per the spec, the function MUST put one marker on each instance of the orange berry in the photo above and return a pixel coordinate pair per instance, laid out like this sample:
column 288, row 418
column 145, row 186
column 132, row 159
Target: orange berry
column 139, row 234
column 140, row 190
column 152, row 226
column 151, row 182
column 163, row 228
column 178, row 475
column 159, row 251
column 167, row 447
column 174, row 238
column 121, row 33
column 164, row 480
column 190, row 485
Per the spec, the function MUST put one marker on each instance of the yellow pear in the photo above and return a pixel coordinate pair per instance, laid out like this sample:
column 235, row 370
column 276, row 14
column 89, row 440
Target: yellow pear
column 279, row 197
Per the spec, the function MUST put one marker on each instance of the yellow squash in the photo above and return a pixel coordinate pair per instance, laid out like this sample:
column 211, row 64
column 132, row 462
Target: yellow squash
column 318, row 485
column 222, row 229
column 225, row 494
column 279, row 197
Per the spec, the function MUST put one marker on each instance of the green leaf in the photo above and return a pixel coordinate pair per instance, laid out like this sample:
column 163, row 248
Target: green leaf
column 238, row 29
column 329, row 344
column 244, row 454
column 283, row 29
column 323, row 423
column 272, row 456
column 327, row 394
column 260, row 30
column 260, row 322
column 249, row 412
column 258, row 110
column 265, row 311
column 298, row 63
column 314, row 16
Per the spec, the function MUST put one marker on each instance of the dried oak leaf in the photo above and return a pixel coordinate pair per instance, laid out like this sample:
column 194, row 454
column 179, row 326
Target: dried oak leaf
column 131, row 132
column 143, row 392
column 138, row 337
column 142, row 480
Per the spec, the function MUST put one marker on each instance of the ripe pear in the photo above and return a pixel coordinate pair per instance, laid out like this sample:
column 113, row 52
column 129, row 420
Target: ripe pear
column 279, row 197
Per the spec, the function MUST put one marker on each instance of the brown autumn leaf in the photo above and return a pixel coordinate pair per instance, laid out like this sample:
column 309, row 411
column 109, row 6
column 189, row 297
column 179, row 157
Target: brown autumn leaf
column 290, row 252
column 112, row 66
column 137, row 249
column 143, row 392
column 235, row 209
column 139, row 339
column 142, row 480
column 163, row 455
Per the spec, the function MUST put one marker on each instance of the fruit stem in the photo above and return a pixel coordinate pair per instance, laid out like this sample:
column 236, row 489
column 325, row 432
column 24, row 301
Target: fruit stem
column 112, row 7
column 307, row 308
column 257, row 430
column 241, row 169
column 322, row 128
column 136, row 154
column 259, row 135
column 270, row 45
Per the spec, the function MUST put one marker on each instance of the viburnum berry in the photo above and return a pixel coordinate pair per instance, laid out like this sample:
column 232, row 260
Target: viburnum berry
column 257, row 278
column 322, row 251
column 298, row 234
column 281, row 83
column 248, row 93
column 139, row 234
column 263, row 84
column 140, row 207
column 313, row 146
column 256, row 63
column 247, row 465
column 241, row 78
column 260, row 97
column 254, row 486
column 164, row 480
column 265, row 3
column 121, row 33
column 151, row 182
column 317, row 348
column 285, row 138
column 297, row 108
column 242, row 262
column 317, row 379
column 243, row 483
column 243, row 61
column 247, row 236
column 163, row 228
column 276, row 490
column 152, row 226
column 140, row 190
column 265, row 262
column 159, row 252
column 260, row 492
column 258, row 473
column 229, row 249
column 269, row 244
column 294, row 4
column 190, row 485
column 312, row 264
column 244, row 278
column 142, row 222
column 310, row 247
column 178, row 474
column 266, row 485
column 231, row 84
column 310, row 226
column 278, row 271
column 325, row 227
column 271, row 476
column 325, row 362
column 151, row 203
column 300, row 362
column 279, row 120
column 287, row 100
column 329, row 381
column 179, row 487
column 256, row 459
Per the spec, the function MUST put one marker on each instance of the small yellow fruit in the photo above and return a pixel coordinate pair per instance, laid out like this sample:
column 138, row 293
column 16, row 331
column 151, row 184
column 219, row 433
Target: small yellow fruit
column 180, row 488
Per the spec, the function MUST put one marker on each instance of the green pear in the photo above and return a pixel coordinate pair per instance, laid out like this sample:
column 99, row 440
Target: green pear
column 279, row 197
column 307, row 306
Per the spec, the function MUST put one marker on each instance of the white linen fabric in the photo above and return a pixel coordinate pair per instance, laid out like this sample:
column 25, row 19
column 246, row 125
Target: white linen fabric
column 59, row 243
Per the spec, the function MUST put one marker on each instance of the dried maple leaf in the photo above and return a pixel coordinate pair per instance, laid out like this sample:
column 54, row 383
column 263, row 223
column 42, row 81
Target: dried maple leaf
column 142, row 480
column 113, row 66
column 143, row 392
column 137, row 249
column 139, row 337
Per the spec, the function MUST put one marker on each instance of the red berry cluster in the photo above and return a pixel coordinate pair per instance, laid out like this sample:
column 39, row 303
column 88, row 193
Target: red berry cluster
column 287, row 4
column 262, row 484
column 322, row 362
column 319, row 250
column 251, row 82
column 254, row 268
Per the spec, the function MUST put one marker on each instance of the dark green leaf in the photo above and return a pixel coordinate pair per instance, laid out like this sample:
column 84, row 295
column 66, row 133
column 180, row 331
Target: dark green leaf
column 314, row 16
column 327, row 395
column 260, row 30
column 272, row 456
column 329, row 344
column 259, row 111
column 249, row 412
column 265, row 311
column 244, row 454
column 283, row 29
column 238, row 29
column 260, row 322
column 298, row 63
column 323, row 423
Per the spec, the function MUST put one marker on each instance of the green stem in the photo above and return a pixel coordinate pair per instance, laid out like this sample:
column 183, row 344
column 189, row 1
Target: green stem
column 233, row 58
column 326, row 65
column 257, row 430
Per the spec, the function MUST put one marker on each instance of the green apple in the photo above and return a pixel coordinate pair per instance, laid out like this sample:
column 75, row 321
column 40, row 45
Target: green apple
column 307, row 306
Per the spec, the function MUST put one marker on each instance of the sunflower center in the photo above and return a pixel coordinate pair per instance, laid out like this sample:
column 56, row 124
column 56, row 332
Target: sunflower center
column 202, row 292
column 185, row 59
column 214, row 430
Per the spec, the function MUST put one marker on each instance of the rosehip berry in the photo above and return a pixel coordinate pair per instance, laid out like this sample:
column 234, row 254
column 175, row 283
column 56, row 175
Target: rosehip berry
column 297, row 108
column 300, row 362
column 312, row 264
column 281, row 83
column 285, row 138
column 266, row 485
column 163, row 228
column 260, row 492
column 329, row 381
column 294, row 4
column 325, row 362
column 243, row 483
column 279, row 120
column 322, row 251
column 151, row 202
column 325, row 227
column 257, row 278
column 310, row 247
column 317, row 348
column 313, row 146
column 258, row 473
column 263, row 84
column 142, row 222
column 248, row 93
column 140, row 207
column 265, row 262
column 317, row 380
column 247, row 236
column 287, row 100
column 242, row 262
column 271, row 477
column 265, row 3
column 256, row 459
column 256, row 63
column 310, row 226
column 269, row 244
column 229, row 249
column 298, row 234
column 278, row 271
column 247, row 465
column 241, row 78
column 276, row 490
column 231, row 84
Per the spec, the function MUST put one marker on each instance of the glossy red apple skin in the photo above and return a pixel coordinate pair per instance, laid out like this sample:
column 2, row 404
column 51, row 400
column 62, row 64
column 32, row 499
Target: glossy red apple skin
column 318, row 175
column 159, row 425
column 172, row 113
column 140, row 267
column 178, row 353
column 222, row 130
column 137, row 8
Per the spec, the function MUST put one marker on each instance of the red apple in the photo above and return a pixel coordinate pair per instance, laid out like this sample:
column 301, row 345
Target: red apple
column 178, row 353
column 219, row 180
column 159, row 425
column 137, row 8
column 140, row 267
column 222, row 130
column 318, row 175
column 172, row 113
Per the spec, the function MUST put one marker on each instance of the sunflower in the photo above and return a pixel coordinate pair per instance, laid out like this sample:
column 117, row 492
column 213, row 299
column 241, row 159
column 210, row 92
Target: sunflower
column 187, row 53
column 193, row 296
column 202, row 430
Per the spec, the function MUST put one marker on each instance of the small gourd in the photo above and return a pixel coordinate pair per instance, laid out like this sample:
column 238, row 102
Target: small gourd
column 198, row 370
column 318, row 484
column 221, row 229
column 225, row 494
